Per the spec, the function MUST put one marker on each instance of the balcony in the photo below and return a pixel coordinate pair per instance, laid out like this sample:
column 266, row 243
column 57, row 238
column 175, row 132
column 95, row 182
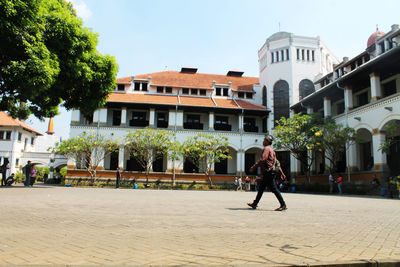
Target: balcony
column 250, row 128
column 193, row 125
column 138, row 123
column 222, row 127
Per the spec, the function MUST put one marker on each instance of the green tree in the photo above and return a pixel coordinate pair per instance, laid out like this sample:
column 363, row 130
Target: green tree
column 203, row 150
column 89, row 150
column 298, row 135
column 47, row 58
column 148, row 145
column 334, row 140
column 392, row 131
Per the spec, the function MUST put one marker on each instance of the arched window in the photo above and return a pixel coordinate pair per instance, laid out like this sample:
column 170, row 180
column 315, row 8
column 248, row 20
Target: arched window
column 264, row 96
column 281, row 100
column 306, row 87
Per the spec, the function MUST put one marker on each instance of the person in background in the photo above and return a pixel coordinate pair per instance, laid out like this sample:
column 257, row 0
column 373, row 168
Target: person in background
column 27, row 170
column 247, row 183
column 339, row 183
column 118, row 178
column 331, row 182
column 33, row 175
column 240, row 183
column 4, row 168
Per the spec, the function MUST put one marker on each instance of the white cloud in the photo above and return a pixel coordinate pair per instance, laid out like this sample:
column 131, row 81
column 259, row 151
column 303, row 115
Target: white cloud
column 82, row 10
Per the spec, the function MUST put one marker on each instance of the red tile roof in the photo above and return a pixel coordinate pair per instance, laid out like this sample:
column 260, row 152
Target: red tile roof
column 194, row 80
column 184, row 101
column 7, row 120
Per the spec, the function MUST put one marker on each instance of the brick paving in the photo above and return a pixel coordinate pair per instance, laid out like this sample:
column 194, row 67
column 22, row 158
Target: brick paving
column 88, row 226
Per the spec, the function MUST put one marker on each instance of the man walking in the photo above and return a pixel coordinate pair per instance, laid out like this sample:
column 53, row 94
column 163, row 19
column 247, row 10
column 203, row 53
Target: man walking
column 268, row 177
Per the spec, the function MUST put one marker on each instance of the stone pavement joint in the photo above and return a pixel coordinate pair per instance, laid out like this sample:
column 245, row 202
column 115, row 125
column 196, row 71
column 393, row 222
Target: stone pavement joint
column 62, row 226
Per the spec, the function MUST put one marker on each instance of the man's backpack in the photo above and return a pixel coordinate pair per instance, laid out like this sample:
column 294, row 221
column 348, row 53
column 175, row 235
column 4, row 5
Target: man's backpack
column 276, row 166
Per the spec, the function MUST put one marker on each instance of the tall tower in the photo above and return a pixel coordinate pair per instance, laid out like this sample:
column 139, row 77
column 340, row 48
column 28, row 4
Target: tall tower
column 288, row 65
column 50, row 127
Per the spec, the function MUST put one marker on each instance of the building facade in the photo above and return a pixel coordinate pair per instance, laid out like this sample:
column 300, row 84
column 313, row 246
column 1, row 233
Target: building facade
column 187, row 103
column 364, row 93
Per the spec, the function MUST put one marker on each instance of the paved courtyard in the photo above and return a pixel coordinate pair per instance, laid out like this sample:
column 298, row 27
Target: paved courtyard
column 87, row 226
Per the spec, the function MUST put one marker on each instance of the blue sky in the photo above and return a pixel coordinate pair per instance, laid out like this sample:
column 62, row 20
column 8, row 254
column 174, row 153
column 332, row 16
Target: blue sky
column 220, row 35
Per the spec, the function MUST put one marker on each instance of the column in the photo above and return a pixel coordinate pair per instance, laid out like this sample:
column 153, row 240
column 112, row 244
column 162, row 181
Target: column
column 295, row 166
column 121, row 158
column 240, row 162
column 98, row 155
column 241, row 122
column 179, row 119
column 211, row 121
column 71, row 163
column 103, row 115
column 348, row 98
column 171, row 118
column 152, row 117
column 351, row 157
column 378, row 138
column 327, row 107
column 375, row 87
column 75, row 116
column 123, row 116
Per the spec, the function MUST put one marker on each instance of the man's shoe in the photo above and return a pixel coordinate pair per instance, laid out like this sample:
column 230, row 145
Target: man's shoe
column 281, row 208
column 252, row 205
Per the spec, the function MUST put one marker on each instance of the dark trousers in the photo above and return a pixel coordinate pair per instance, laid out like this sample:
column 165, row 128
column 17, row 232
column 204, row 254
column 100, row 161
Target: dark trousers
column 28, row 180
column 117, row 182
column 268, row 180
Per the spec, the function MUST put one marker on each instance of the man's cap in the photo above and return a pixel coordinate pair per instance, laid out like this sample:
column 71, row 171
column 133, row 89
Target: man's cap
column 269, row 138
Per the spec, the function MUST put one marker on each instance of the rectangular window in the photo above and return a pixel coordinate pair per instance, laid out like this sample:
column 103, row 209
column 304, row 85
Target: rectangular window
column 298, row 53
column 121, row 87
column 144, row 86
column 138, row 116
column 272, row 57
column 19, row 136
column 162, row 120
column 313, row 55
column 277, row 56
column 282, row 55
column 340, row 108
column 218, row 91
column 116, row 117
column 8, row 135
column 160, row 89
column 241, row 95
column 221, row 120
column 16, row 162
column 362, row 99
column 1, row 135
column 193, row 118
column 203, row 92
column 287, row 54
column 168, row 90
column 249, row 95
column 32, row 141
column 225, row 91
column 185, row 91
column 194, row 92
column 389, row 88
column 308, row 55
column 302, row 54
column 137, row 86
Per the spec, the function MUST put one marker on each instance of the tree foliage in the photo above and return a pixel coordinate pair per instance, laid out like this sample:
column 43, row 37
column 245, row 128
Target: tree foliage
column 303, row 135
column 203, row 150
column 47, row 58
column 147, row 145
column 89, row 150
column 334, row 140
column 392, row 131
column 297, row 135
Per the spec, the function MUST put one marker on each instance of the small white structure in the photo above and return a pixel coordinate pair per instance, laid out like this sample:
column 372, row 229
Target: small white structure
column 19, row 143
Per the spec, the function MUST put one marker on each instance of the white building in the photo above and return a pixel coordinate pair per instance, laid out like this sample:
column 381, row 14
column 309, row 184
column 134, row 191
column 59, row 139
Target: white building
column 19, row 143
column 187, row 103
column 364, row 93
